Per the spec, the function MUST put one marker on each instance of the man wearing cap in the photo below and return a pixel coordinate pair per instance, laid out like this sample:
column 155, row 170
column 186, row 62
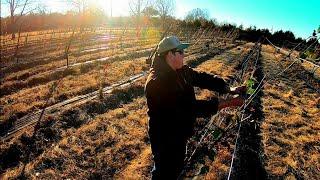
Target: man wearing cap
column 173, row 107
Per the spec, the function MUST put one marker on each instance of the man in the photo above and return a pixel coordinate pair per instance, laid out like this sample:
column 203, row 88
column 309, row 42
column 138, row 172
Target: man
column 173, row 107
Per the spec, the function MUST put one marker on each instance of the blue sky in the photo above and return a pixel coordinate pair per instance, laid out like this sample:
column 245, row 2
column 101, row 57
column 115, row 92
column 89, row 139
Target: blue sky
column 300, row 17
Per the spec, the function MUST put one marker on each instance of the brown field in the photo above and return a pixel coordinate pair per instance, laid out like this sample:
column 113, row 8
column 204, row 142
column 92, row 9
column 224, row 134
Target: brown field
column 107, row 138
column 26, row 77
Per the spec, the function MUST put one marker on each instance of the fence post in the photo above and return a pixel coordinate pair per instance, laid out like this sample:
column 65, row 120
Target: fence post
column 101, row 78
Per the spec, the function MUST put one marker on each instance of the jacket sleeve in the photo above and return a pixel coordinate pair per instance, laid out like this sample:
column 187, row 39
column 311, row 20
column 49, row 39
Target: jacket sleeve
column 206, row 108
column 205, row 81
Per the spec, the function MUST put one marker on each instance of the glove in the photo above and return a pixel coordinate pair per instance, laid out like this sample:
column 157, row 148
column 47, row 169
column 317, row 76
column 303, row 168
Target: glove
column 233, row 102
column 238, row 90
column 237, row 101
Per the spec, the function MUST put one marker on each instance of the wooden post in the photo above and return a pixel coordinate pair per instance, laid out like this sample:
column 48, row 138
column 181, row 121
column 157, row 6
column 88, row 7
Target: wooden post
column 68, row 47
column 101, row 78
column 17, row 46
column 26, row 40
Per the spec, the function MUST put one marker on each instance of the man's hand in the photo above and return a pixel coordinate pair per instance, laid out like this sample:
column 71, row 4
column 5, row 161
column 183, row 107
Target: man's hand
column 238, row 90
column 233, row 102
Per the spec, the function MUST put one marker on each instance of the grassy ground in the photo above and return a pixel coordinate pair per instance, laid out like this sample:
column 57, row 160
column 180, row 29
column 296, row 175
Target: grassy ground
column 291, row 127
column 122, row 138
column 25, row 101
column 108, row 139
column 80, row 120
column 21, row 81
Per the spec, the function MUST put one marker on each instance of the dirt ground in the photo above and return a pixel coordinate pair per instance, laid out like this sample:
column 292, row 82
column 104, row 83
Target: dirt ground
column 108, row 139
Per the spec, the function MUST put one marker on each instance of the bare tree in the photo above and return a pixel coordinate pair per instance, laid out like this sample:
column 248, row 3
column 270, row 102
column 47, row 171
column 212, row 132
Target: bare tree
column 18, row 8
column 165, row 9
column 81, row 6
column 197, row 14
column 42, row 9
column 136, row 6
column 136, row 10
column 149, row 11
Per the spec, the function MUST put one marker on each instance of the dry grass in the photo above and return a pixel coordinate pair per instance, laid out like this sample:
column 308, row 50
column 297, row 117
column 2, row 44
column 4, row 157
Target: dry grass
column 26, row 100
column 21, row 98
column 291, row 127
column 223, row 66
column 55, row 128
column 120, row 134
column 105, row 147
column 112, row 142
column 53, row 60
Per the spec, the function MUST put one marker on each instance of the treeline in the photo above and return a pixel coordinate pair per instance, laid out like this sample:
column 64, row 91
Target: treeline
column 35, row 22
column 280, row 38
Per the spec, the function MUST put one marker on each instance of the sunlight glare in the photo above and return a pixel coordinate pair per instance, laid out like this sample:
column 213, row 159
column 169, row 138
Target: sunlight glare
column 119, row 7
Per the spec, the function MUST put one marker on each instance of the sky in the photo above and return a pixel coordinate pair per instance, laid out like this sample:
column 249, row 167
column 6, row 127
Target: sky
column 299, row 16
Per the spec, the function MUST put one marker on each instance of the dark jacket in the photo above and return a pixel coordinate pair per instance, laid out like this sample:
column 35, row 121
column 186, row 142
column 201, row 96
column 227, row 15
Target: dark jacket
column 172, row 104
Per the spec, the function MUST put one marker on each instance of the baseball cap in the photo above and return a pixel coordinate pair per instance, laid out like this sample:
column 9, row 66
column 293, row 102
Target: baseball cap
column 171, row 42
